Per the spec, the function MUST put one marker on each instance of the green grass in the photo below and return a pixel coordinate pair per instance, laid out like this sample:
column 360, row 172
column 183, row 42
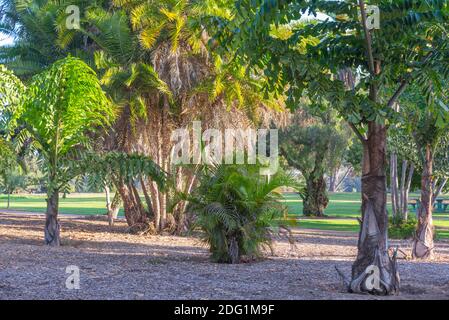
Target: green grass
column 352, row 225
column 341, row 205
column 342, row 210
column 82, row 204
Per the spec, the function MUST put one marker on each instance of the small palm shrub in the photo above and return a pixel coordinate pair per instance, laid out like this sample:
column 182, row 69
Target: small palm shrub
column 236, row 208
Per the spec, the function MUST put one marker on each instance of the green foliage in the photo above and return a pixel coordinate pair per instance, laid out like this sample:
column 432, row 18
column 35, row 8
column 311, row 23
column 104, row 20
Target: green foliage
column 422, row 125
column 105, row 168
column 57, row 111
column 7, row 156
column 11, row 175
column 235, row 209
column 40, row 34
column 402, row 229
column 354, row 156
column 63, row 104
column 314, row 144
column 411, row 46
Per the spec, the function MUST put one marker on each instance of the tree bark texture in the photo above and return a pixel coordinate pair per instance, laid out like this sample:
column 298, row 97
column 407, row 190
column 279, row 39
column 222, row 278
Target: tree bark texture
column 423, row 243
column 52, row 227
column 374, row 271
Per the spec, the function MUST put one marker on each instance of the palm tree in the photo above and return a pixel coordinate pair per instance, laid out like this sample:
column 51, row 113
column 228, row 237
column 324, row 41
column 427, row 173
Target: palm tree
column 154, row 62
column 235, row 208
column 40, row 35
column 56, row 110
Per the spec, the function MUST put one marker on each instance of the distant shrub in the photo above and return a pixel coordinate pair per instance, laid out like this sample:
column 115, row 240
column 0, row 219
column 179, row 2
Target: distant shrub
column 402, row 229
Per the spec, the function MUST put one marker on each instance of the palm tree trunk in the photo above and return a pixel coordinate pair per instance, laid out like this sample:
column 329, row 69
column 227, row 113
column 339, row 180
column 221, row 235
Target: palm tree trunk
column 115, row 208
column 147, row 198
column 134, row 211
column 374, row 271
column 423, row 243
column 52, row 228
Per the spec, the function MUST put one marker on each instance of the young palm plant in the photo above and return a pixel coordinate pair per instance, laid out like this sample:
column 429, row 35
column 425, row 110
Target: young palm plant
column 57, row 110
column 236, row 208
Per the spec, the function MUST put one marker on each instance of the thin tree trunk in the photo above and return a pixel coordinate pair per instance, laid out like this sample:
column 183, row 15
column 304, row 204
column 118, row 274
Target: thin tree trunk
column 396, row 187
column 163, row 201
column 332, row 181
column 439, row 189
column 147, row 198
column 156, row 205
column 392, row 184
column 374, row 271
column 52, row 228
column 9, row 200
column 115, row 207
column 180, row 218
column 407, row 191
column 423, row 242
column 337, row 187
column 402, row 188
column 108, row 197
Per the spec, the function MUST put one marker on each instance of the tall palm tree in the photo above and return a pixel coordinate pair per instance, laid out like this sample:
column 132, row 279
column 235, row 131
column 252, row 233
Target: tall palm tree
column 154, row 62
column 58, row 108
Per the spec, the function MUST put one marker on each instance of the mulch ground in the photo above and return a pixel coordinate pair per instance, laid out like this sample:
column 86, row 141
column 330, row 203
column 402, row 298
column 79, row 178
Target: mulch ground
column 117, row 265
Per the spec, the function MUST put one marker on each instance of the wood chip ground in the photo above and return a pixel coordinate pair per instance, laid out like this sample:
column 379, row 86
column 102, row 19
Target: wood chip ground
column 117, row 265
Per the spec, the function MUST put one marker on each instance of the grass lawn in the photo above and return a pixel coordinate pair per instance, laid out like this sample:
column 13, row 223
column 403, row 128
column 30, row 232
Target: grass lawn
column 342, row 205
column 342, row 210
column 352, row 225
column 78, row 203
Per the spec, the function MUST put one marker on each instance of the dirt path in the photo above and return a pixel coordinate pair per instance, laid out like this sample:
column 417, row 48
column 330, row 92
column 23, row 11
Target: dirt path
column 116, row 265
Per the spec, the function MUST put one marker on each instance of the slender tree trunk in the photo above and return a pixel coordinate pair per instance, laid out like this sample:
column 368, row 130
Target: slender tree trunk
column 163, row 200
column 348, row 171
column 333, row 181
column 108, row 197
column 407, row 191
column 52, row 228
column 115, row 208
column 423, row 243
column 374, row 271
column 392, row 184
column 9, row 200
column 402, row 188
column 397, row 196
column 438, row 189
column 147, row 198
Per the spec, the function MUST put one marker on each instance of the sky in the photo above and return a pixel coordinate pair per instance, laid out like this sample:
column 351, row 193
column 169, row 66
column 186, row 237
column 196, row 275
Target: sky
column 5, row 40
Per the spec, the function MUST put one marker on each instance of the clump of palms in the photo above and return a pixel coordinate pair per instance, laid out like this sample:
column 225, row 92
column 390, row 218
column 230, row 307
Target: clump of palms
column 236, row 208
